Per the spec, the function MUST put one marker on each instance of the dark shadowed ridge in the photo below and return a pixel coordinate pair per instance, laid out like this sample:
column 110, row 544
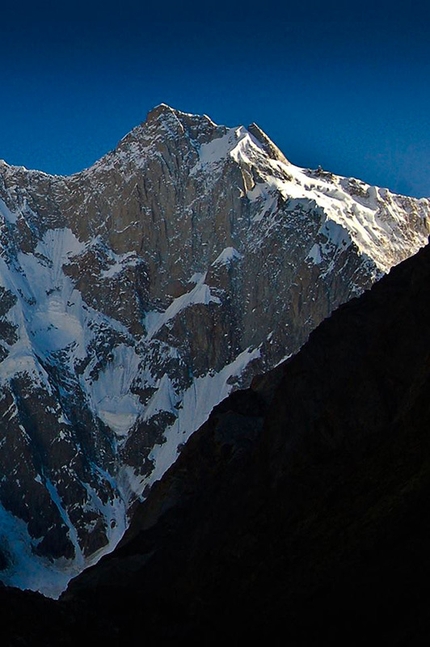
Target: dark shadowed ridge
column 298, row 514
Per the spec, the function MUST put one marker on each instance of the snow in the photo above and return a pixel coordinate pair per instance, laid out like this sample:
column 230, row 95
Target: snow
column 197, row 277
column 72, row 532
column 51, row 317
column 42, row 314
column 7, row 214
column 164, row 399
column 111, row 396
column 236, row 143
column 27, row 570
column 215, row 151
column 119, row 261
column 197, row 403
column 368, row 216
column 200, row 294
column 227, row 256
column 314, row 254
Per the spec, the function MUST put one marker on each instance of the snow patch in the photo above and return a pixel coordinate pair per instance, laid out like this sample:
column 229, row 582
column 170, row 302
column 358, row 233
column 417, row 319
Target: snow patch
column 227, row 256
column 237, row 143
column 200, row 294
column 197, row 403
column 314, row 254
column 111, row 396
column 7, row 214
column 164, row 399
column 27, row 570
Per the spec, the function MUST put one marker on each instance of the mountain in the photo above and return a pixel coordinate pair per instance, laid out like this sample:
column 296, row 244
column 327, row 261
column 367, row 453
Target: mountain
column 297, row 514
column 137, row 294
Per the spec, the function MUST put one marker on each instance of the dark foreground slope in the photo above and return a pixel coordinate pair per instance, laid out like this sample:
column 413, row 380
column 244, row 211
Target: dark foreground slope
column 298, row 514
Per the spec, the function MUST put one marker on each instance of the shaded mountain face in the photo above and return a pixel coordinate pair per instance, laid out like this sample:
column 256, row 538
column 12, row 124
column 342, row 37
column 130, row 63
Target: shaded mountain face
column 136, row 295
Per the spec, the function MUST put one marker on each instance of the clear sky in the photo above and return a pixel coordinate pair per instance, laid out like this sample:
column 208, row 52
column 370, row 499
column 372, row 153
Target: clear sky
column 339, row 84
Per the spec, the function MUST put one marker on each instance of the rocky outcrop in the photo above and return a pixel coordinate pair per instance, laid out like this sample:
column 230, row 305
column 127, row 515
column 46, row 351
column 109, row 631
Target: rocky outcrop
column 137, row 294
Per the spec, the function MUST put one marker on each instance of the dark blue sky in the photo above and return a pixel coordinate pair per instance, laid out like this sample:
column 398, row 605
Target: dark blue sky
column 341, row 85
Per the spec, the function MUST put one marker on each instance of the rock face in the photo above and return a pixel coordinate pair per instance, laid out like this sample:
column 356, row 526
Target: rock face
column 135, row 295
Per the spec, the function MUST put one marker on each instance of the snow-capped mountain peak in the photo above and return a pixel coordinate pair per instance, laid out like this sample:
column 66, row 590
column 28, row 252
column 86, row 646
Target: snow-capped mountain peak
column 138, row 293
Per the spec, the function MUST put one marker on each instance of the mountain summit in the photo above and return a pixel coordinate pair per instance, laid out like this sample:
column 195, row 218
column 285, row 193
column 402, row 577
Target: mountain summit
column 137, row 294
